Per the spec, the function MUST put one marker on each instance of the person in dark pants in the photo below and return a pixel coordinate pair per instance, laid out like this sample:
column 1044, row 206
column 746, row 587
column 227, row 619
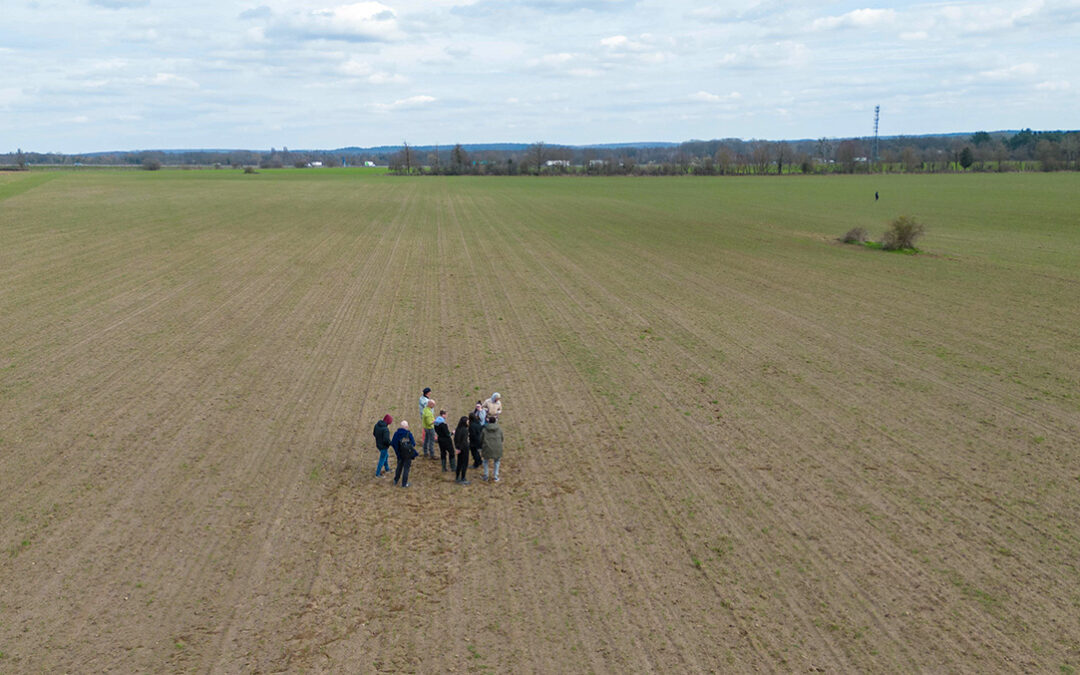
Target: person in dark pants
column 381, row 432
column 405, row 448
column 476, row 438
column 446, row 442
column 461, row 442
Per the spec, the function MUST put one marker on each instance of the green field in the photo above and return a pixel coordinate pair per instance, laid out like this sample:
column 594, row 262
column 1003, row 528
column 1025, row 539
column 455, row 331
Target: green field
column 733, row 443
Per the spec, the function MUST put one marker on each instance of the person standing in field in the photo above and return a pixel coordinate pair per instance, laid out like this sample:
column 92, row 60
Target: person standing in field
column 428, row 423
column 493, row 447
column 461, row 443
column 381, row 432
column 405, row 448
column 424, row 399
column 476, row 438
column 481, row 414
column 493, row 406
column 446, row 441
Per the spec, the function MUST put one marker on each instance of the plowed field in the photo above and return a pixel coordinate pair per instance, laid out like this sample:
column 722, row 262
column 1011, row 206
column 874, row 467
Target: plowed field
column 732, row 443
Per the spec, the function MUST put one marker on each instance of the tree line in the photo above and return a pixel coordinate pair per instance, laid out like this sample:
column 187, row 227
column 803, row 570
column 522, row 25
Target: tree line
column 1025, row 150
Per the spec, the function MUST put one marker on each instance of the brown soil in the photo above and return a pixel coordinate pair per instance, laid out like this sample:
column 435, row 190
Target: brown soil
column 718, row 457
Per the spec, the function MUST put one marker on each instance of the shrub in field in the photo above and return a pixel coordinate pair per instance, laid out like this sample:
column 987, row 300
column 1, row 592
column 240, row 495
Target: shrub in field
column 902, row 234
column 151, row 164
column 856, row 235
column 250, row 169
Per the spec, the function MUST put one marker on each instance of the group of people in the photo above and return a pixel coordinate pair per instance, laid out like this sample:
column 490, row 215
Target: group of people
column 477, row 433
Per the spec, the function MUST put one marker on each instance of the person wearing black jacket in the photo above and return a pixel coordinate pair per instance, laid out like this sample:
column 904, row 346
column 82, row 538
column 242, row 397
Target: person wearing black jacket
column 461, row 442
column 446, row 443
column 381, row 432
column 405, row 448
column 476, row 438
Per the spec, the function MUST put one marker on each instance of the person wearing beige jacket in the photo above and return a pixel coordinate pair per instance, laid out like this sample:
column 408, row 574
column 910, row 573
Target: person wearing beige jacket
column 493, row 406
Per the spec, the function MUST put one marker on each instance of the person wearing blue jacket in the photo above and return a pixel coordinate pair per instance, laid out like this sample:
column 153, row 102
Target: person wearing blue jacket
column 405, row 453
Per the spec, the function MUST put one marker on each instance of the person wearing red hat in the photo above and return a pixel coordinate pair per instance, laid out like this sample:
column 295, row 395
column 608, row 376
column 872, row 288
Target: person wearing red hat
column 381, row 432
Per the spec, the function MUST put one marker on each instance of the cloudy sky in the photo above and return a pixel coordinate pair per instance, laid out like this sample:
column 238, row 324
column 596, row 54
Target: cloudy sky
column 86, row 75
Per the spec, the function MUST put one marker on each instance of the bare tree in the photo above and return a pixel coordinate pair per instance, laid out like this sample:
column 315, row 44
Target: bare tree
column 537, row 152
column 761, row 156
column 846, row 153
column 407, row 156
column 824, row 149
column 910, row 159
column 723, row 160
column 459, row 159
column 783, row 156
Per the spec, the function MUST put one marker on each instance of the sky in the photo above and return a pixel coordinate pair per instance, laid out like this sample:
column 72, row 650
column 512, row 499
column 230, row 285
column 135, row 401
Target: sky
column 95, row 75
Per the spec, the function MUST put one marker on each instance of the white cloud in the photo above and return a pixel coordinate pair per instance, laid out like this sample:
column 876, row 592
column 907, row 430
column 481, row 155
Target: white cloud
column 1056, row 85
column 404, row 103
column 387, row 78
column 553, row 60
column 783, row 54
column 616, row 42
column 357, row 22
column 708, row 97
column 260, row 12
column 1017, row 71
column 120, row 4
column 355, row 68
column 169, row 80
column 859, row 18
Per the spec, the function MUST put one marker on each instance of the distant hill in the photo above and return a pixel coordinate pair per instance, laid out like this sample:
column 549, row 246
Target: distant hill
column 492, row 147
column 508, row 147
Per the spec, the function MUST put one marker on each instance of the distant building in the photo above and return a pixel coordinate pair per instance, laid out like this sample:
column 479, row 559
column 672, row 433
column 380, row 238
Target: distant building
column 316, row 165
column 557, row 162
column 369, row 165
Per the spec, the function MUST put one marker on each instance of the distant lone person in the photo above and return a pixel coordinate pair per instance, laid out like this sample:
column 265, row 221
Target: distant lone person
column 875, row 196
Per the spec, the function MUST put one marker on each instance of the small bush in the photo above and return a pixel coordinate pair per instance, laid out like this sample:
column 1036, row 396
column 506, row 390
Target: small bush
column 150, row 164
column 902, row 234
column 856, row 235
column 250, row 169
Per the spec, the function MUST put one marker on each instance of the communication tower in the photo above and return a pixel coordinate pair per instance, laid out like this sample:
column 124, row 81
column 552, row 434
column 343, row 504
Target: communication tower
column 874, row 147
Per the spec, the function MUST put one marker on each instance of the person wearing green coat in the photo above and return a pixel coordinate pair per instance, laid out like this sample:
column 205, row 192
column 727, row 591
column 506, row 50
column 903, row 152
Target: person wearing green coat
column 493, row 447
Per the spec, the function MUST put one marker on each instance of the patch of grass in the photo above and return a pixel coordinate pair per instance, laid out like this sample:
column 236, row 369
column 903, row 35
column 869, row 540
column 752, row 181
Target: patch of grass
column 988, row 601
column 878, row 246
column 19, row 548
